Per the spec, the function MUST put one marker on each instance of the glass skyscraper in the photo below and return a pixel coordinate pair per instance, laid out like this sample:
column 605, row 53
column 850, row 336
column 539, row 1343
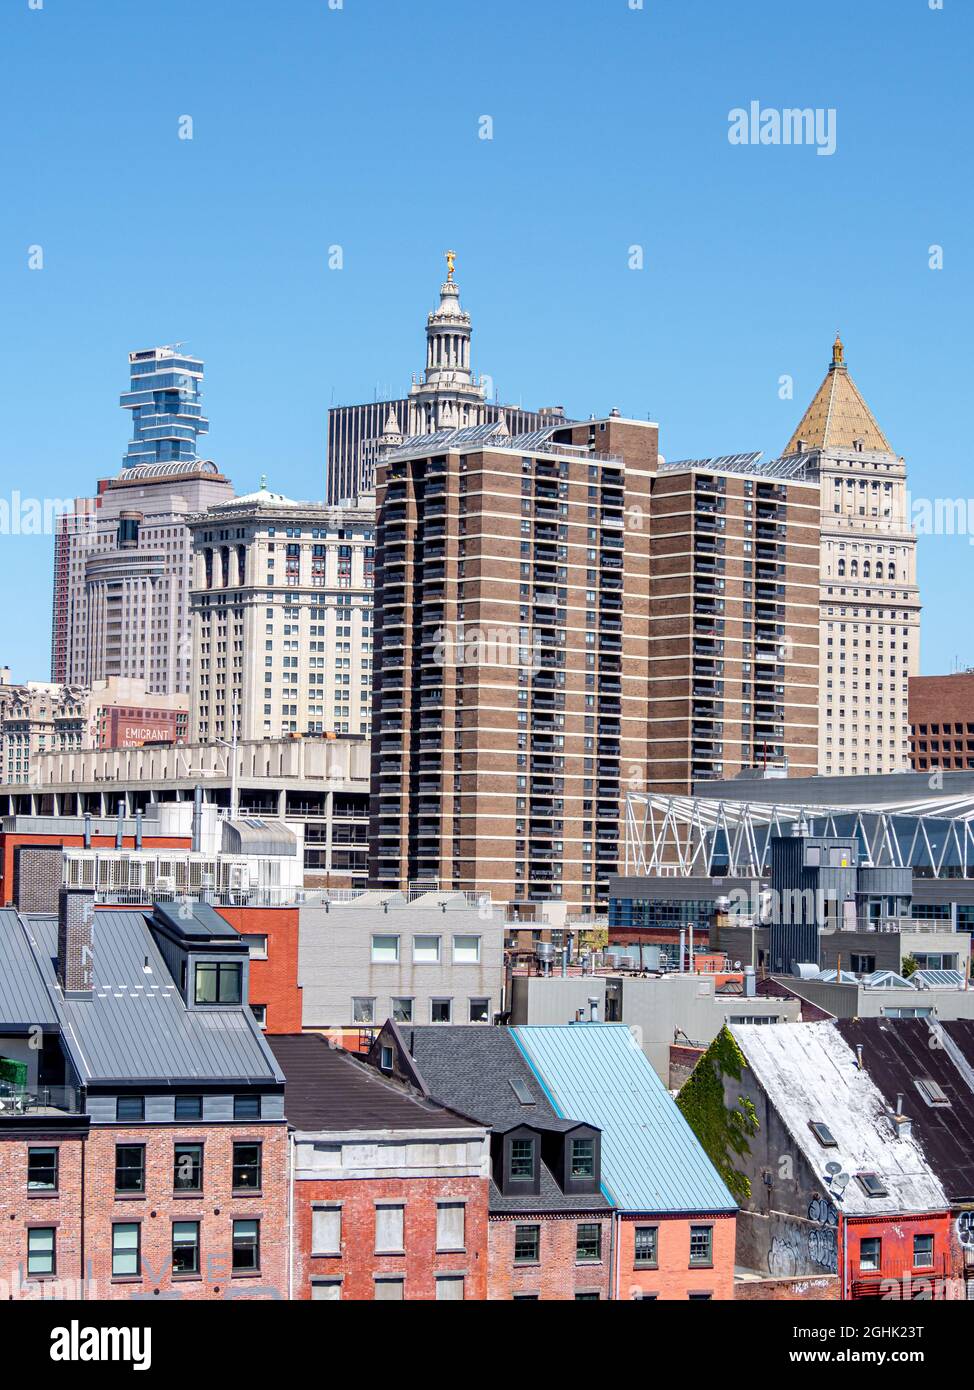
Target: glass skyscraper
column 165, row 400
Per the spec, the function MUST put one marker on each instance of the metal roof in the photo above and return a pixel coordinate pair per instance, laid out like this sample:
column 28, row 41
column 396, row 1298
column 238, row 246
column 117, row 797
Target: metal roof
column 810, row 1073
column 136, row 1027
column 651, row 1159
column 255, row 835
column 189, row 919
column 24, row 1000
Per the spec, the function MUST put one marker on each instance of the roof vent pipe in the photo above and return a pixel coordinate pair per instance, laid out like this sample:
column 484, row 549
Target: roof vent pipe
column 120, row 827
column 138, row 830
column 683, row 942
column 859, row 1055
column 899, row 1103
column 593, row 1009
column 197, row 819
column 87, row 830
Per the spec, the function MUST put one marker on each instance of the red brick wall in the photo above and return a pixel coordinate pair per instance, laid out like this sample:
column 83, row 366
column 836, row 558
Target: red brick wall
column 948, row 702
column 557, row 1276
column 19, row 1210
column 215, row 1209
column 273, row 981
column 896, row 1264
column 813, row 1288
column 358, row 1262
column 675, row 1278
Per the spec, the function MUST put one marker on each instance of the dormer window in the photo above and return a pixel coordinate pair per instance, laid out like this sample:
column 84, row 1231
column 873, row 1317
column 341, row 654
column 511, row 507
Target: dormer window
column 583, row 1158
column 218, row 982
column 522, row 1160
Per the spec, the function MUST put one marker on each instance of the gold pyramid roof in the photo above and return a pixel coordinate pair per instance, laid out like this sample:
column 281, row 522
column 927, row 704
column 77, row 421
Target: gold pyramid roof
column 838, row 417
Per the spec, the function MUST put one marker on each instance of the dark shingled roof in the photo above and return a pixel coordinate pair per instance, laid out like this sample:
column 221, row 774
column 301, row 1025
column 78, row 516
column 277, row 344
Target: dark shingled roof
column 472, row 1067
column 896, row 1053
column 328, row 1089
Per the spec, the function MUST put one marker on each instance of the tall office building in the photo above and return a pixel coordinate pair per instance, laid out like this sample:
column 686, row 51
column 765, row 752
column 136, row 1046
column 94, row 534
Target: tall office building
column 281, row 618
column 165, row 400
column 122, row 559
column 446, row 396
column 511, row 649
column 734, row 597
column 870, row 602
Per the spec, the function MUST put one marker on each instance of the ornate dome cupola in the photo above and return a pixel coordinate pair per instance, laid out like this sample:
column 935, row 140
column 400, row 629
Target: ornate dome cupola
column 448, row 394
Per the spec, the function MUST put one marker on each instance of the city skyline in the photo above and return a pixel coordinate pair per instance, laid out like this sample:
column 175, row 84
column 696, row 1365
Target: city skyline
column 699, row 339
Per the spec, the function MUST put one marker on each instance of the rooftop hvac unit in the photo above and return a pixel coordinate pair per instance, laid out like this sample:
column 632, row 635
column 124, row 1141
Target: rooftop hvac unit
column 544, row 950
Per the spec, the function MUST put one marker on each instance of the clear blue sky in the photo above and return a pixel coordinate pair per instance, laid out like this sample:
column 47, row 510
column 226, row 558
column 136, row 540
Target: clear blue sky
column 359, row 127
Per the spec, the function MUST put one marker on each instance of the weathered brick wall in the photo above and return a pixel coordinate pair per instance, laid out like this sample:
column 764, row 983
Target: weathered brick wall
column 358, row 1264
column 811, row 1289
column 557, row 1275
column 675, row 1277
column 37, row 877
column 20, row 1209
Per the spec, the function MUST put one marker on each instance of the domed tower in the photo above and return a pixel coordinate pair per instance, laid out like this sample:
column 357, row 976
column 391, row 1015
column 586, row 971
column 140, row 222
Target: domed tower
column 448, row 394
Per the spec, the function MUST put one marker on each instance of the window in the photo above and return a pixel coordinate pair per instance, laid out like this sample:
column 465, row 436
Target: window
column 389, row 1222
column 426, row 950
column 185, row 1247
column 387, row 1058
column 41, row 1250
column 257, row 945
column 646, row 1247
column 923, row 1252
column 441, row 1010
column 871, row 1184
column 326, row 1290
column 219, row 982
column 449, row 1287
column 42, row 1170
column 592, row 1297
column 583, row 1158
column 246, row 1246
column 466, row 950
column 450, row 1224
column 402, row 1010
column 870, row 1253
column 862, row 965
column 259, row 1012
column 326, row 1231
column 130, row 1109
column 823, row 1134
column 480, row 1011
column 189, row 1107
column 246, row 1167
column 588, row 1241
column 522, row 1159
column 527, row 1245
column 188, row 1168
column 700, row 1297
column 126, row 1250
column 385, row 950
column 129, row 1167
column 701, row 1245
column 363, row 1010
column 246, row 1107
column 389, row 1290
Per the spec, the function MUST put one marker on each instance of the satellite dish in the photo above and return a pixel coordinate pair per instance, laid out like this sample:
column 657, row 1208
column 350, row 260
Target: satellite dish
column 840, row 1184
column 833, row 1168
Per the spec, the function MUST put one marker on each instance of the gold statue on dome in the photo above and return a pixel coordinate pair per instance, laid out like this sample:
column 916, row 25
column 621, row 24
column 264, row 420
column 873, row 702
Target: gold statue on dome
column 838, row 352
column 451, row 261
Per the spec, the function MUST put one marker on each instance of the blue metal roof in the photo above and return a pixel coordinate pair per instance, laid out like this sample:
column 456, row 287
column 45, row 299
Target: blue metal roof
column 651, row 1159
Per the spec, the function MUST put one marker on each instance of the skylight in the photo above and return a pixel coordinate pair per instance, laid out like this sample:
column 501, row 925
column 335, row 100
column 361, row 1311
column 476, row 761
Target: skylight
column 931, row 1091
column 823, row 1134
column 872, row 1185
column 522, row 1090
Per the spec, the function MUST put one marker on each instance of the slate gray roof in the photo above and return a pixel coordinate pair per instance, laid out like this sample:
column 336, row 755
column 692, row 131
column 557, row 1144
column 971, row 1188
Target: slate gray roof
column 136, row 1027
column 328, row 1089
column 651, row 1159
column 24, row 999
column 470, row 1069
column 189, row 920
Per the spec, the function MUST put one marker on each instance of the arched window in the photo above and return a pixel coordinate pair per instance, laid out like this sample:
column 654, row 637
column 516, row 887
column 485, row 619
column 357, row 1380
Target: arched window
column 892, row 570
column 841, row 569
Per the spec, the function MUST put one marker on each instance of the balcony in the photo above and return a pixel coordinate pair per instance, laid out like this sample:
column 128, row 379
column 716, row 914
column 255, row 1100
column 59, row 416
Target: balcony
column 18, row 1101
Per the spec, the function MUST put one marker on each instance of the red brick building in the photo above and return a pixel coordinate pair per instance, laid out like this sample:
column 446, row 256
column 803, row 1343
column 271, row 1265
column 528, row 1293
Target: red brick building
column 143, row 1146
column 272, row 936
column 942, row 721
column 390, row 1190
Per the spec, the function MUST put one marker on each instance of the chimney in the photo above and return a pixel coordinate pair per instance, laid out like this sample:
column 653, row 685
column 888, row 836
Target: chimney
column 120, row 827
column 197, row 819
column 75, row 929
column 593, row 1008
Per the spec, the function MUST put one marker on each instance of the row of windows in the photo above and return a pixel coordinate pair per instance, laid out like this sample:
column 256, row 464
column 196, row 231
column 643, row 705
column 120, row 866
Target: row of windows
column 326, row 1228
column 426, row 950
column 871, row 1253
column 403, row 1010
column 127, row 1248
column 187, row 1168
column 131, row 1109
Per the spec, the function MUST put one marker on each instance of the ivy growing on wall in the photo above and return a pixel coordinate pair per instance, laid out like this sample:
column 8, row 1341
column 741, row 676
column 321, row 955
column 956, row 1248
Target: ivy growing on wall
column 723, row 1133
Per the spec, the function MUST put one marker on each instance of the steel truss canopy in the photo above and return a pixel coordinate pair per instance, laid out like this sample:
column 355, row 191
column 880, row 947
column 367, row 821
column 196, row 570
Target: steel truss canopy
column 680, row 836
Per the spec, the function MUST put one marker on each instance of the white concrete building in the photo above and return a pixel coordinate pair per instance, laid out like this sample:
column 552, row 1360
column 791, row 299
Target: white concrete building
column 870, row 601
column 281, row 610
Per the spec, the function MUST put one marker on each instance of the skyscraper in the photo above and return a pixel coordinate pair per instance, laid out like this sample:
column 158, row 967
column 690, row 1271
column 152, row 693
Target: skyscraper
column 870, row 602
column 511, row 652
column 165, row 401
column 448, row 395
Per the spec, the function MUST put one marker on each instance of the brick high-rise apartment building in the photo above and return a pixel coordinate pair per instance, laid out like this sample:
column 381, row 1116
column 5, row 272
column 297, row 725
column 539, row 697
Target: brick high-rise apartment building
column 512, row 654
column 734, row 572
column 870, row 602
